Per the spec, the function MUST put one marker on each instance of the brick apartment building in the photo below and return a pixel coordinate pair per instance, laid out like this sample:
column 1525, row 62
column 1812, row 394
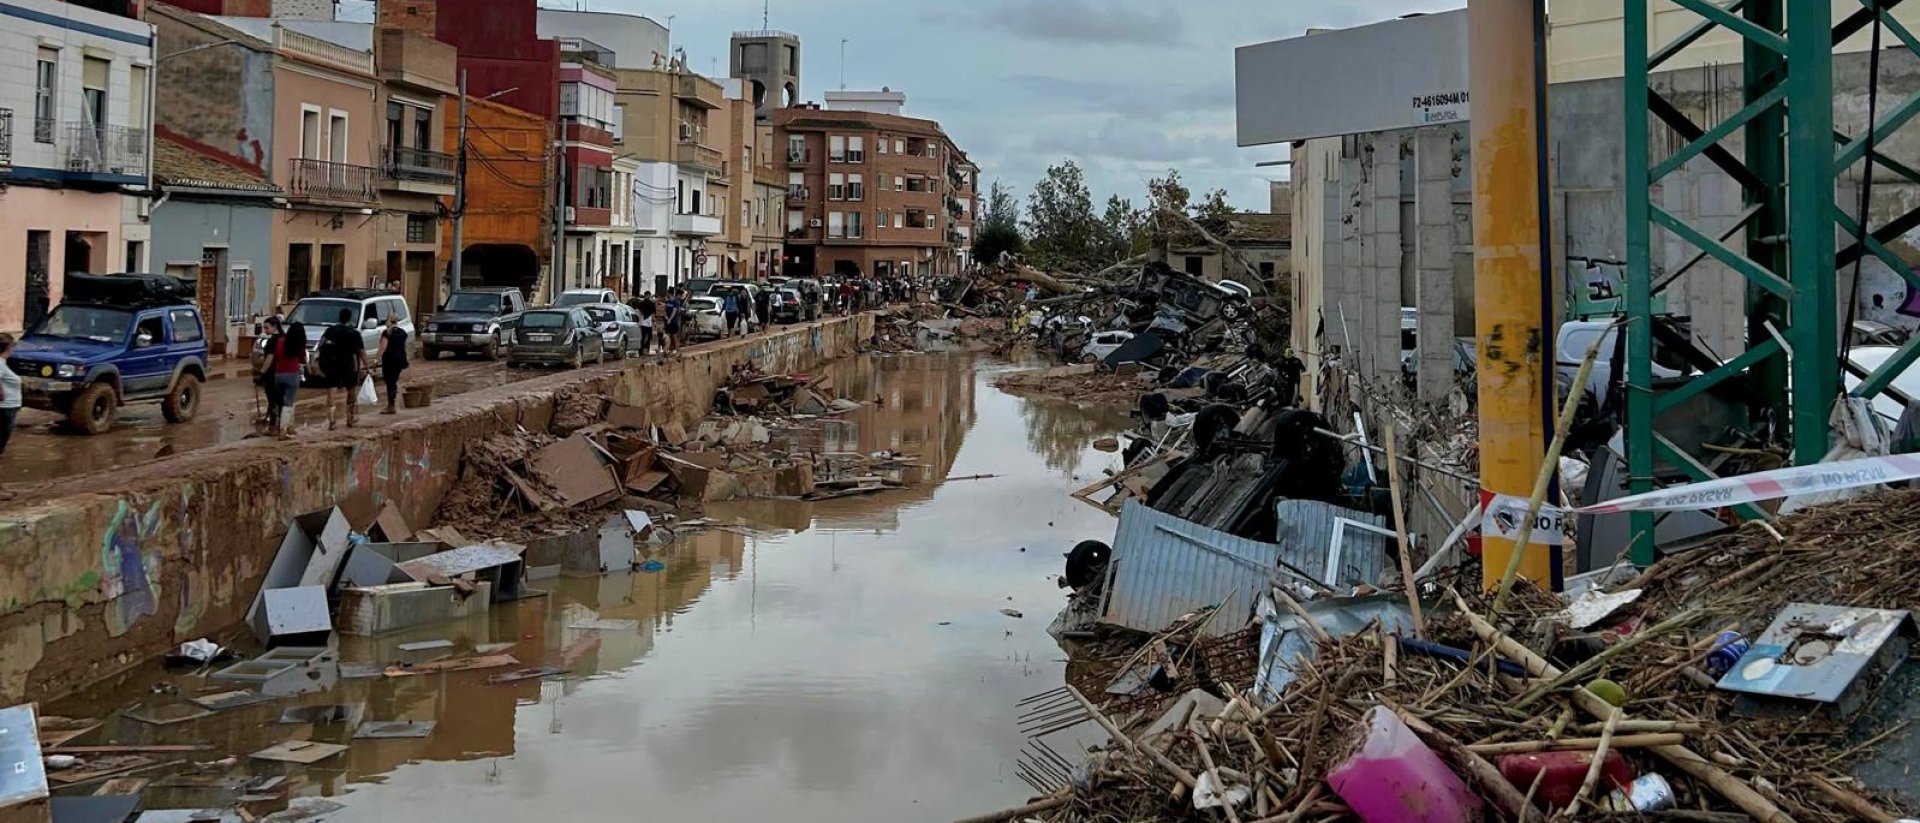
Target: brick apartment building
column 873, row 194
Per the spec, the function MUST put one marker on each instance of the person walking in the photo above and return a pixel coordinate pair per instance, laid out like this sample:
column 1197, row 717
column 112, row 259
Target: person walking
column 763, row 308
column 393, row 359
column 286, row 362
column 263, row 378
column 676, row 315
column 730, row 306
column 10, row 397
column 343, row 361
column 644, row 307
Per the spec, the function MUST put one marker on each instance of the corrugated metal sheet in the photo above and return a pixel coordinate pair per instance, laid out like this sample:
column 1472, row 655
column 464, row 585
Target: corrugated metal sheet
column 1165, row 567
column 1306, row 533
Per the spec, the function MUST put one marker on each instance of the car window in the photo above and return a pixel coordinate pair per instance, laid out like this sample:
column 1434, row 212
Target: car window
column 506, row 304
column 398, row 308
column 544, row 320
column 186, row 326
column 371, row 311
column 152, row 327
column 602, row 314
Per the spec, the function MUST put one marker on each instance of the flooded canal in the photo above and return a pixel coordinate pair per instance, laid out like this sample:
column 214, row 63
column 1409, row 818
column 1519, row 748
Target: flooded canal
column 845, row 660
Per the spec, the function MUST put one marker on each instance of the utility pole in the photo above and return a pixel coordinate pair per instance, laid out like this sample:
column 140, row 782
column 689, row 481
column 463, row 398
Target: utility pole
column 460, row 190
column 843, row 64
column 1513, row 304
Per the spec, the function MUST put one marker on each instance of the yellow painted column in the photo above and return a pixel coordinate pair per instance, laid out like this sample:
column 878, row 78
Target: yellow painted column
column 1512, row 313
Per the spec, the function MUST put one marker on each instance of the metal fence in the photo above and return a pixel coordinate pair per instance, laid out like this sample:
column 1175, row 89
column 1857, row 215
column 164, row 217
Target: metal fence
column 408, row 163
column 327, row 180
column 106, row 149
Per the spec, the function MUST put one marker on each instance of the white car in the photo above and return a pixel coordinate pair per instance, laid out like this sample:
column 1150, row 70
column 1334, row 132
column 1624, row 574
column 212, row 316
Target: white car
column 705, row 320
column 1103, row 344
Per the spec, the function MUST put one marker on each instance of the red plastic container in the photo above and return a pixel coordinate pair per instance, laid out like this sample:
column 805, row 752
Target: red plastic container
column 1563, row 772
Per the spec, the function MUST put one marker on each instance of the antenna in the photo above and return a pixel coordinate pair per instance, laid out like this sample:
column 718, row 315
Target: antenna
column 763, row 15
column 843, row 64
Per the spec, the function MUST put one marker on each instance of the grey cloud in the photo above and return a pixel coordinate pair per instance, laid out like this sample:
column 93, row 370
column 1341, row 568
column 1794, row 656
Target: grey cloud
column 1087, row 22
column 1153, row 100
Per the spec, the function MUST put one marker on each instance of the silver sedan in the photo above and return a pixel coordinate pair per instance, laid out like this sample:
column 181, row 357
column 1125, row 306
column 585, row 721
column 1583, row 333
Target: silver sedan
column 619, row 327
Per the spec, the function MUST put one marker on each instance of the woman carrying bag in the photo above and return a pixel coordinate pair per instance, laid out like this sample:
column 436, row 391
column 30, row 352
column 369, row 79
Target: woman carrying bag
column 393, row 359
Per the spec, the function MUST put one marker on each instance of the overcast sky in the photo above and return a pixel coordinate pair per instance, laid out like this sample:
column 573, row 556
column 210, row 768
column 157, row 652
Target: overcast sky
column 1126, row 88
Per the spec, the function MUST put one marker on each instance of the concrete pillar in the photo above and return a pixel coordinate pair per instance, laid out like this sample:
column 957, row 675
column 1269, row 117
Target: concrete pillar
column 1382, row 280
column 1433, row 261
column 1345, row 318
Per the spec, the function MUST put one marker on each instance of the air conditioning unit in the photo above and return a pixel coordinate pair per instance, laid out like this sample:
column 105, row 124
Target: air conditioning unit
column 814, row 223
column 686, row 131
column 796, row 155
column 569, row 214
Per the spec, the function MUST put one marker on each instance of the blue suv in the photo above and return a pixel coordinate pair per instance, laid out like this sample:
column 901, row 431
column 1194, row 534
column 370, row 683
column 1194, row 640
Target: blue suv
column 113, row 340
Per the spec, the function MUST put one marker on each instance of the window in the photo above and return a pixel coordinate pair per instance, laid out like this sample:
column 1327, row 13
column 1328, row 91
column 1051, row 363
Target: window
column 309, row 134
column 420, row 228
column 337, row 137
column 837, row 149
column 1195, row 265
column 836, row 187
column 396, row 123
column 899, row 220
column 423, row 129
column 137, row 98
column 619, row 123
column 856, row 149
column 880, row 219
column 881, row 144
column 899, row 147
column 398, row 308
column 856, row 187
column 796, row 147
column 836, row 224
column 152, row 329
column 933, row 149
column 853, row 225
column 93, row 91
column 43, row 95
column 899, row 184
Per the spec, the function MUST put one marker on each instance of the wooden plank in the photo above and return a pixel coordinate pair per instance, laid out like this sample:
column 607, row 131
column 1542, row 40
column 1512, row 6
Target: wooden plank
column 157, row 749
column 463, row 664
column 122, row 785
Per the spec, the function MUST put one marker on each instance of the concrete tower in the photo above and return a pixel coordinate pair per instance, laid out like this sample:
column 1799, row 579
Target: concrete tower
column 769, row 64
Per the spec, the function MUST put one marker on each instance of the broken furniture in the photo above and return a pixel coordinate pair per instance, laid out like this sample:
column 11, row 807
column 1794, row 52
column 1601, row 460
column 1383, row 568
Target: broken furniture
column 295, row 616
column 311, row 554
column 376, row 610
column 284, row 671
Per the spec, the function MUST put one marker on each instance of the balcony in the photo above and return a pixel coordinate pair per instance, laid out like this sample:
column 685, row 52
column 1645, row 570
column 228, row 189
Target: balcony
column 698, row 225
column 106, row 150
column 418, row 170
column 324, row 52
column 326, row 180
column 797, row 195
column 6, row 138
column 417, row 60
column 692, row 153
column 698, row 90
column 799, row 157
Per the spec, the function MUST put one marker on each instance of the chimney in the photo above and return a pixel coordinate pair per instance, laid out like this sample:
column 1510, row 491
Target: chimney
column 410, row 15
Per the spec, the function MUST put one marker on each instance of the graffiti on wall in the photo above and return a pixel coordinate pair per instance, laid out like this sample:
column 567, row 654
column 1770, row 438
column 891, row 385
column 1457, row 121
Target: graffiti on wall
column 130, row 566
column 371, row 468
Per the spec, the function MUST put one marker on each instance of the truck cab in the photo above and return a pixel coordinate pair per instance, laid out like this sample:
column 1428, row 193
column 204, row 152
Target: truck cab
column 113, row 343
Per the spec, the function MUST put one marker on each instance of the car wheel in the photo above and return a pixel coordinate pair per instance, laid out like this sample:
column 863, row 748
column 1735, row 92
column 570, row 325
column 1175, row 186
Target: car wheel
column 94, row 410
column 429, row 353
column 183, row 401
column 579, row 357
column 492, row 351
column 600, row 354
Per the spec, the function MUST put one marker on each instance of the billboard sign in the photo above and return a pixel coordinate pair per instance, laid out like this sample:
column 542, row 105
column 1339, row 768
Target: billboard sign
column 1398, row 74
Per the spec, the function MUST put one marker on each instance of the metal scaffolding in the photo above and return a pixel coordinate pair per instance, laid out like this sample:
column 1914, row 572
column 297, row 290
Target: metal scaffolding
column 1789, row 257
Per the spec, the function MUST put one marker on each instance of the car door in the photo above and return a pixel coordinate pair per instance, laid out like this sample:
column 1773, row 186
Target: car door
column 144, row 368
column 587, row 335
column 373, row 318
column 187, row 338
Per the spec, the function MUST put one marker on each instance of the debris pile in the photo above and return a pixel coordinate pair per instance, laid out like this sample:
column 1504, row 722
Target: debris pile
column 1712, row 685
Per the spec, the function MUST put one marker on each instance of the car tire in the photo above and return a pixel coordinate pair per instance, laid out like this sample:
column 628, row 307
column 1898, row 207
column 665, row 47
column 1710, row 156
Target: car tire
column 183, row 401
column 94, row 410
column 600, row 354
column 492, row 351
column 579, row 357
column 429, row 353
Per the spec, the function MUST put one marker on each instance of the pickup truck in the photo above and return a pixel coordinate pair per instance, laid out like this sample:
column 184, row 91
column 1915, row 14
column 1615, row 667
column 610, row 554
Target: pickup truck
column 114, row 340
column 473, row 320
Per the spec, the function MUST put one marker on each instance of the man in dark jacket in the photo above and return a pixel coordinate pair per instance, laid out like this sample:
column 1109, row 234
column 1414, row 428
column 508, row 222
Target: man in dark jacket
column 343, row 360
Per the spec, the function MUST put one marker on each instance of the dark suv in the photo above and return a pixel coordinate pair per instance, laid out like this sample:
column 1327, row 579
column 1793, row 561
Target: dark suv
column 113, row 340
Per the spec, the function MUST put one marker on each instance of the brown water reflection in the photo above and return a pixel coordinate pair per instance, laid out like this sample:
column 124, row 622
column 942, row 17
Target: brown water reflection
column 848, row 662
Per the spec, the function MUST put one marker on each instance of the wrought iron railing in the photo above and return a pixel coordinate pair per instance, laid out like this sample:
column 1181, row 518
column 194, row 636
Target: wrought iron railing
column 99, row 149
column 408, row 163
column 327, row 180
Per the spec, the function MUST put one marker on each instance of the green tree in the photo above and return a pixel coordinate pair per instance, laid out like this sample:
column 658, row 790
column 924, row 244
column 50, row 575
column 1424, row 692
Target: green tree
column 1123, row 229
column 999, row 228
column 1062, row 230
column 1212, row 211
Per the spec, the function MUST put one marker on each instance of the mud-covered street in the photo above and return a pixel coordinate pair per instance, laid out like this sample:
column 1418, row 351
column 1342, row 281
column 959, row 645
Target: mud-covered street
column 842, row 660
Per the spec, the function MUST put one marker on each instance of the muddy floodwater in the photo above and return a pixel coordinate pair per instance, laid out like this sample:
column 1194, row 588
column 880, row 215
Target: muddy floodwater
column 846, row 660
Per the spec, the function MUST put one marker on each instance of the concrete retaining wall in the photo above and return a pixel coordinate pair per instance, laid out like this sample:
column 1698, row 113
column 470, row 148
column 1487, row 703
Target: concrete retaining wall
column 94, row 583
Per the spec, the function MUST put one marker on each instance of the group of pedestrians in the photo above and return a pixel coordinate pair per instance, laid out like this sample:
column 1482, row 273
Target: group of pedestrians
column 663, row 321
column 338, row 365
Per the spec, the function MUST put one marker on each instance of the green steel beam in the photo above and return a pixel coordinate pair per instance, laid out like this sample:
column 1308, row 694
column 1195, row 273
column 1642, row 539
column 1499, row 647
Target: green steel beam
column 1814, row 333
column 1887, row 233
column 1879, row 250
column 1694, row 470
column 1740, row 25
column 1639, row 331
column 1882, row 130
column 1732, row 259
column 1765, row 146
column 1720, row 132
column 1747, row 216
column 1895, row 366
column 1668, row 401
column 1688, row 38
column 1684, row 126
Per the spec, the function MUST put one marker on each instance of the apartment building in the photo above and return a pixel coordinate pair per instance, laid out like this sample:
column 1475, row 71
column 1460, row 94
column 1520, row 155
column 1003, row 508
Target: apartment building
column 508, row 222
column 75, row 148
column 769, row 202
column 587, row 125
column 873, row 194
column 417, row 96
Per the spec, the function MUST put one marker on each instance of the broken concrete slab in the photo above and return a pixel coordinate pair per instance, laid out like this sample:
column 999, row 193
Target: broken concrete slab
column 575, row 471
column 394, row 729
column 294, row 617
column 377, row 610
column 299, row 751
